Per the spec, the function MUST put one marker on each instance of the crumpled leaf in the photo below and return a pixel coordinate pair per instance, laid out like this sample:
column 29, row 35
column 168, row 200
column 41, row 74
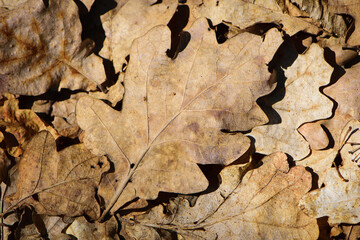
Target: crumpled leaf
column 167, row 123
column 128, row 21
column 35, row 59
column 319, row 12
column 339, row 198
column 303, row 102
column 351, row 7
column 82, row 229
column 70, row 190
column 246, row 13
column 261, row 205
column 22, row 124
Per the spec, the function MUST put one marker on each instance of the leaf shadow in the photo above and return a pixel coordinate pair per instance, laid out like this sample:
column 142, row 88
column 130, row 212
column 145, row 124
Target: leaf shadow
column 284, row 57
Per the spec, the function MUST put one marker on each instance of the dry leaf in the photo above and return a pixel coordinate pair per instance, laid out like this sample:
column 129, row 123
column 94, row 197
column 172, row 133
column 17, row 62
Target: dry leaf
column 70, row 190
column 35, row 59
column 303, row 102
column 262, row 205
column 338, row 199
column 128, row 21
column 167, row 123
column 314, row 135
column 319, row 12
column 82, row 229
column 21, row 124
column 351, row 7
column 244, row 14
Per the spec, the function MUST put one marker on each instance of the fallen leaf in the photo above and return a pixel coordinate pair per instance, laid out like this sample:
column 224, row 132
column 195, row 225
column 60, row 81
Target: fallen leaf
column 35, row 59
column 19, row 124
column 319, row 13
column 167, row 124
column 314, row 135
column 303, row 102
column 82, row 229
column 351, row 7
column 70, row 190
column 128, row 21
column 261, row 205
column 246, row 13
column 338, row 199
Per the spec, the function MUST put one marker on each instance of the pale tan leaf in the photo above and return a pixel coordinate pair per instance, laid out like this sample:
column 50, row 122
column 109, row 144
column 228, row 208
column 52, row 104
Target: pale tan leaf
column 174, row 109
column 61, row 183
column 303, row 102
column 128, row 21
column 314, row 135
column 338, row 199
column 261, row 205
column 35, row 59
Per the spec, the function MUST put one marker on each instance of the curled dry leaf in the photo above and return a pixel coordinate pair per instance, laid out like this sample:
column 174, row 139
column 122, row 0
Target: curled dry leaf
column 61, row 183
column 261, row 205
column 173, row 110
column 35, row 59
column 351, row 7
column 128, row 21
column 20, row 125
column 303, row 102
column 319, row 13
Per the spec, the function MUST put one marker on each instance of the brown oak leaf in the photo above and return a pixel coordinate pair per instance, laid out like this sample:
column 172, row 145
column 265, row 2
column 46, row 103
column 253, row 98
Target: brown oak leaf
column 61, row 183
column 263, row 204
column 174, row 110
column 303, row 102
column 19, row 125
column 47, row 50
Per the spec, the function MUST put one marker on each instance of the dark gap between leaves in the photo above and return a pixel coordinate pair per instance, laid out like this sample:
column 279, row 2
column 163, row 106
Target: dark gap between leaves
column 179, row 38
column 284, row 57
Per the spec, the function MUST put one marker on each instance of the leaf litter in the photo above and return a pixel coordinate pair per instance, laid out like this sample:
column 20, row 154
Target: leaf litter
column 156, row 126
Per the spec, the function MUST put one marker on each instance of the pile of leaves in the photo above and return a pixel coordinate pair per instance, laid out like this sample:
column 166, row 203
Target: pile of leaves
column 145, row 119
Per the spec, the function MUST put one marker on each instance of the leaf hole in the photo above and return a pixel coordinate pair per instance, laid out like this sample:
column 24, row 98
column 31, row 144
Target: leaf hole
column 92, row 166
column 132, row 165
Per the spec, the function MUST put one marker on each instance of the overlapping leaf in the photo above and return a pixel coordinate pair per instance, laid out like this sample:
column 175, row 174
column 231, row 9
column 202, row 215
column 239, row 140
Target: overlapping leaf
column 35, row 59
column 174, row 110
column 262, row 205
column 303, row 102
column 61, row 183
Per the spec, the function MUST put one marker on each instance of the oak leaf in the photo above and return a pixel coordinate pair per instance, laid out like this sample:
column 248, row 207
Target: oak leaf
column 174, row 110
column 260, row 205
column 61, row 183
column 35, row 59
column 128, row 21
column 303, row 102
